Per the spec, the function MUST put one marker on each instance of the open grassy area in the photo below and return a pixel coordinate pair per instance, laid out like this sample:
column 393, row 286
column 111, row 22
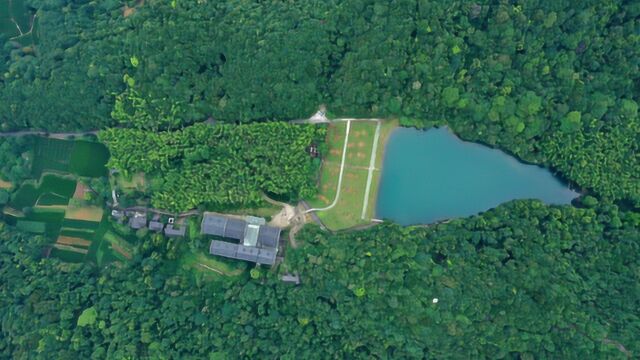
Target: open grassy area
column 211, row 267
column 360, row 143
column 134, row 182
column 119, row 245
column 348, row 211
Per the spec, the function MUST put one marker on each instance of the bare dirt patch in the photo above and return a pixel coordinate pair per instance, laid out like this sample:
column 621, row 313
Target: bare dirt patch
column 80, row 190
column 6, row 184
column 283, row 218
column 88, row 213
column 121, row 251
column 69, row 240
column 70, row 248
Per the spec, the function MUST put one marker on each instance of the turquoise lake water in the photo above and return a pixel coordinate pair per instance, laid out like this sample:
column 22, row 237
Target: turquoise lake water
column 432, row 175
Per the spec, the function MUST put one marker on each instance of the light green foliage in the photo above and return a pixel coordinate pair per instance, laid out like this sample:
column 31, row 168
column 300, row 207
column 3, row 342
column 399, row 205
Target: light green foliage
column 255, row 273
column 88, row 317
column 427, row 60
column 219, row 165
column 571, row 122
column 450, row 95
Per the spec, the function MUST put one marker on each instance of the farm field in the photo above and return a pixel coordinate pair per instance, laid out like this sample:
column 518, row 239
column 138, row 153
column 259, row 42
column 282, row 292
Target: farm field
column 42, row 204
column 78, row 157
column 348, row 210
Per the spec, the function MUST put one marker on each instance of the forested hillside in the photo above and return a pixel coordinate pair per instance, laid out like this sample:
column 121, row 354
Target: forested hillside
column 555, row 82
column 522, row 281
column 187, row 91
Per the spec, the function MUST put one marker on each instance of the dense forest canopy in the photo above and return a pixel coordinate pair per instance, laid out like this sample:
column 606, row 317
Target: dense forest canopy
column 555, row 82
column 219, row 165
column 521, row 281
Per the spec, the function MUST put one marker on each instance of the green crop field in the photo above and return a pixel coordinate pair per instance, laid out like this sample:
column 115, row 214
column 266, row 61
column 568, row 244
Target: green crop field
column 79, row 157
column 89, row 159
column 30, row 191
column 27, row 195
column 51, row 154
column 80, row 224
column 37, row 227
column 59, row 185
column 50, row 199
column 68, row 256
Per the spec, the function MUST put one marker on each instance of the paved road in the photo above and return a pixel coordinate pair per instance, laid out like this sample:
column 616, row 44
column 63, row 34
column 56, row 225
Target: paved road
column 372, row 165
column 63, row 135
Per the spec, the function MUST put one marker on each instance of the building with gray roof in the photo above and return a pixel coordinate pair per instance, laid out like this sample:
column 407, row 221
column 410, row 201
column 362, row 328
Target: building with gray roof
column 257, row 242
column 156, row 226
column 172, row 231
column 138, row 221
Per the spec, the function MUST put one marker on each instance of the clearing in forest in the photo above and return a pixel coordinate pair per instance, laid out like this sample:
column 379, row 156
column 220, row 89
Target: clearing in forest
column 6, row 184
column 210, row 267
column 356, row 203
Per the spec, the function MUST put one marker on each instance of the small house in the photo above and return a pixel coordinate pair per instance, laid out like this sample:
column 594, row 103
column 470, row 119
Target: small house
column 172, row 231
column 156, row 226
column 138, row 221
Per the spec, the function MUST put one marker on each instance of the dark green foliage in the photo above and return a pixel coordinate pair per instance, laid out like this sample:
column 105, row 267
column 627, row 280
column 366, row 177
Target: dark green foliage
column 221, row 165
column 14, row 158
column 515, row 75
column 522, row 281
column 88, row 159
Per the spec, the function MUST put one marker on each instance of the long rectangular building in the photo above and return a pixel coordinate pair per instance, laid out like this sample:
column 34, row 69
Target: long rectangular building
column 258, row 242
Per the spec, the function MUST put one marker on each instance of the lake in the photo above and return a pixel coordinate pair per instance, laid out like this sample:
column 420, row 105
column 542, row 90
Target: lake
column 432, row 175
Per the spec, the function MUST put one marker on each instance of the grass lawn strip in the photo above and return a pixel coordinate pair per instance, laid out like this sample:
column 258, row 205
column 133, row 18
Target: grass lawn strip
column 360, row 143
column 328, row 185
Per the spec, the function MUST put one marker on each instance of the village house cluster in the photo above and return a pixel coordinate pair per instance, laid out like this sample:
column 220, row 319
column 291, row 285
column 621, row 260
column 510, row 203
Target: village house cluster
column 248, row 238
